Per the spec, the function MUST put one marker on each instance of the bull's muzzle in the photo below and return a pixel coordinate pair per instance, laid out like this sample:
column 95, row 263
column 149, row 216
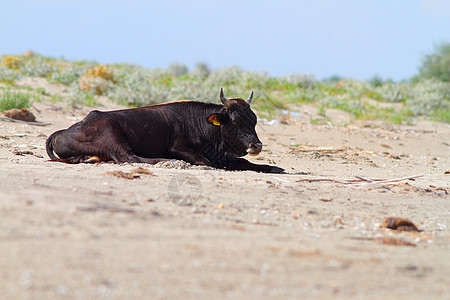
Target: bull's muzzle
column 254, row 148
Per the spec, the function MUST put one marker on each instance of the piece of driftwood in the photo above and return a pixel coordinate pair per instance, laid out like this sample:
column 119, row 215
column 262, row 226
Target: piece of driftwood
column 326, row 180
column 106, row 208
column 361, row 180
column 370, row 181
column 386, row 240
column 20, row 121
column 302, row 148
column 364, row 178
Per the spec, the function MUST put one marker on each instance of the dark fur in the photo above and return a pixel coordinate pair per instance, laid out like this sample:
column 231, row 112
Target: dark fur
column 174, row 130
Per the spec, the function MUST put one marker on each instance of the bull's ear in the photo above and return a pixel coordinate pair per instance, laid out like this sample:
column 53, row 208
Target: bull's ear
column 215, row 119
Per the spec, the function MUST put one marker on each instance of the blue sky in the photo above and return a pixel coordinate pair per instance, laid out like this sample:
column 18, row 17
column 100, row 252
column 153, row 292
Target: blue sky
column 351, row 38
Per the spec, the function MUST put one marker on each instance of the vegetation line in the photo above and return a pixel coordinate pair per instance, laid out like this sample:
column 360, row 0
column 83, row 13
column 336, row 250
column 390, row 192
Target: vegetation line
column 426, row 94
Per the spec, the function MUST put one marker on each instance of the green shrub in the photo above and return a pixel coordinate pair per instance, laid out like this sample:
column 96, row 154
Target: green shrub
column 307, row 95
column 299, row 80
column 355, row 107
column 138, row 87
column 79, row 97
column 178, row 69
column 394, row 92
column 70, row 74
column 442, row 115
column 200, row 72
column 38, row 67
column 10, row 100
column 56, row 98
column 333, row 79
column 41, row 91
column 8, row 75
column 437, row 64
column 429, row 97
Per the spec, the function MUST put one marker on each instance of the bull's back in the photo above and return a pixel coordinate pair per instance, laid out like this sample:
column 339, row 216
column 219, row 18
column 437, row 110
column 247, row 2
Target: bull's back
column 147, row 131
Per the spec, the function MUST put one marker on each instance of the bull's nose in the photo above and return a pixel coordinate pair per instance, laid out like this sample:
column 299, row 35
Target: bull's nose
column 254, row 148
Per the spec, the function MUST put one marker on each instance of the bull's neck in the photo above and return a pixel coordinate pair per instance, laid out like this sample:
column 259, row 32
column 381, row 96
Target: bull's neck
column 205, row 135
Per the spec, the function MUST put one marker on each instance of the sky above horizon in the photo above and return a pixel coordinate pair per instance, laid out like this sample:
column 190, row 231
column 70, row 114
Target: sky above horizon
column 350, row 38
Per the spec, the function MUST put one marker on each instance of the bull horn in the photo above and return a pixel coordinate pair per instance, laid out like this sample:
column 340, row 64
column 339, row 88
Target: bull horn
column 249, row 99
column 223, row 98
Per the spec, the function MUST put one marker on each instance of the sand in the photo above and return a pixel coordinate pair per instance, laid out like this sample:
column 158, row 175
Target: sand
column 174, row 230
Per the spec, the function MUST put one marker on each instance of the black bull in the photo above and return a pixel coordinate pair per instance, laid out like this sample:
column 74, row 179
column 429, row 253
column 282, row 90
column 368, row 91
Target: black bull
column 197, row 132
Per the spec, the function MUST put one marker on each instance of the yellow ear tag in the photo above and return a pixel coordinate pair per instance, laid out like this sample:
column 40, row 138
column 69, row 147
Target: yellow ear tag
column 214, row 120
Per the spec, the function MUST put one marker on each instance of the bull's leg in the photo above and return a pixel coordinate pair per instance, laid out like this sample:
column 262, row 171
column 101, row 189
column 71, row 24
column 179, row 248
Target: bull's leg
column 96, row 142
column 134, row 158
column 74, row 159
column 189, row 155
column 112, row 144
column 151, row 160
column 101, row 141
column 241, row 164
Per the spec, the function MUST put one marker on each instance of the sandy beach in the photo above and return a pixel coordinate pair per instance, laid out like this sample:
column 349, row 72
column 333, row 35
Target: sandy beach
column 173, row 230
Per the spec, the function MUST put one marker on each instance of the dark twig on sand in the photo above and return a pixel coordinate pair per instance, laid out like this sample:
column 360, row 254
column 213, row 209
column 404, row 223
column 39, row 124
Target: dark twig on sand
column 20, row 121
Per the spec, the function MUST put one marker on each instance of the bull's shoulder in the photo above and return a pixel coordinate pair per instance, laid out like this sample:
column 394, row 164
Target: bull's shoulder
column 94, row 113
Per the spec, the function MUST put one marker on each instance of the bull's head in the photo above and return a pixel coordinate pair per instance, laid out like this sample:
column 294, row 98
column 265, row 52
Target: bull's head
column 237, row 126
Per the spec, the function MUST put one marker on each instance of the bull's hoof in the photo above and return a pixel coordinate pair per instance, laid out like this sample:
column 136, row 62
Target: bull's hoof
column 276, row 169
column 93, row 160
